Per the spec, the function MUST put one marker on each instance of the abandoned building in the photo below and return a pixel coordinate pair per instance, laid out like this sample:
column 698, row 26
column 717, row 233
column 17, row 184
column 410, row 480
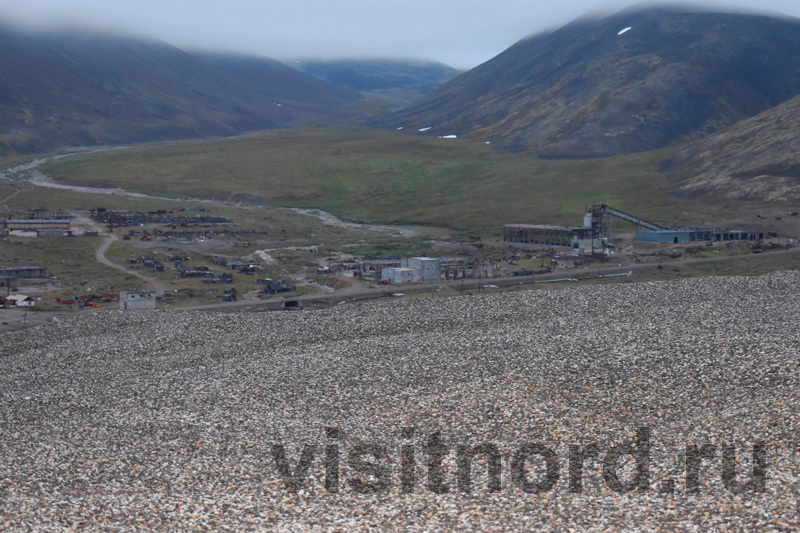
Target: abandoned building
column 53, row 233
column 229, row 295
column 34, row 224
column 400, row 275
column 24, row 271
column 412, row 270
column 596, row 230
column 9, row 282
column 160, row 216
column 153, row 264
column 275, row 286
column 193, row 272
column 370, row 269
column 20, row 300
column 677, row 236
column 428, row 267
column 460, row 268
column 249, row 268
column 137, row 300
column 218, row 278
column 545, row 235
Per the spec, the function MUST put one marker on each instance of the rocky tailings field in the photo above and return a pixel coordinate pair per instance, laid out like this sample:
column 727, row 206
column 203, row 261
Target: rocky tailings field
column 362, row 416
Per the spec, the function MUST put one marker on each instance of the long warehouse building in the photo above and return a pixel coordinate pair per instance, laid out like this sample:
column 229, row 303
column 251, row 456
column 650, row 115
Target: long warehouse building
column 33, row 224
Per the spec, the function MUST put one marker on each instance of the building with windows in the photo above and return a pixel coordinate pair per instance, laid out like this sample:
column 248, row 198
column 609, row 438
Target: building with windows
column 31, row 271
column 137, row 300
column 428, row 267
column 34, row 224
column 687, row 235
column 400, row 274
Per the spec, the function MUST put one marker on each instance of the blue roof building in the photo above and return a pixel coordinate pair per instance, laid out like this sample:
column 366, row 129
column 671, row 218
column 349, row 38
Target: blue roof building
column 688, row 235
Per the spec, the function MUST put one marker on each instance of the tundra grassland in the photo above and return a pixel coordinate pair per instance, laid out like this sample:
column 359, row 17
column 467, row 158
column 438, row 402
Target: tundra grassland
column 396, row 178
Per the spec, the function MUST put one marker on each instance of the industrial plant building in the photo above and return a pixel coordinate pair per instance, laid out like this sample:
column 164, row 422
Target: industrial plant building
column 413, row 269
column 679, row 236
column 546, row 235
column 400, row 275
column 428, row 267
column 596, row 229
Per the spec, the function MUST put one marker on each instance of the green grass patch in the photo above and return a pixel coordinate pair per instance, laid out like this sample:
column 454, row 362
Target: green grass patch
column 389, row 177
column 70, row 259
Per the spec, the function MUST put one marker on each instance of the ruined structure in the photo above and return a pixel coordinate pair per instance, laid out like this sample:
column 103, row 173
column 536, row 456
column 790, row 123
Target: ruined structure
column 596, row 230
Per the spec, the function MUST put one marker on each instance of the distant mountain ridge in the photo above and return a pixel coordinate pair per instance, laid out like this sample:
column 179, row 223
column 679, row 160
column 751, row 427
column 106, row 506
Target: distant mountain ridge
column 401, row 82
column 634, row 81
column 72, row 89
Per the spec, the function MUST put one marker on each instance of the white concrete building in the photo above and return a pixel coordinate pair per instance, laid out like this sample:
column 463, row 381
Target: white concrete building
column 400, row 274
column 137, row 300
column 428, row 267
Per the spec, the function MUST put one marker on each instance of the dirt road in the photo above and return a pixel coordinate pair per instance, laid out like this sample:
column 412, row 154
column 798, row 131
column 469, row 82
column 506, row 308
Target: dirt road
column 100, row 255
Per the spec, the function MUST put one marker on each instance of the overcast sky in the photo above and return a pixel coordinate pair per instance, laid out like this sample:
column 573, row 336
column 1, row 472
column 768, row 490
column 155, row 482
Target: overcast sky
column 461, row 33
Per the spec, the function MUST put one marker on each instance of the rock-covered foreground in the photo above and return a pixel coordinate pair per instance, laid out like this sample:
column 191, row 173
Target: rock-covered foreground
column 167, row 420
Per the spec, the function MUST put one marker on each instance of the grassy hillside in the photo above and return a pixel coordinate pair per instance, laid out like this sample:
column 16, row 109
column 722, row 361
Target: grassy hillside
column 389, row 177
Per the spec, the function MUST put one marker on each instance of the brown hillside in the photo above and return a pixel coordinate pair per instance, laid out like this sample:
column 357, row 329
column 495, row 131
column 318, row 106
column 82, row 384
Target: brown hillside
column 757, row 158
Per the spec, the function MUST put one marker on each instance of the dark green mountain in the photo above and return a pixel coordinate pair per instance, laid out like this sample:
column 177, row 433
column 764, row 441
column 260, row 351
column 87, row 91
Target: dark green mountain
column 73, row 89
column 401, row 82
column 594, row 88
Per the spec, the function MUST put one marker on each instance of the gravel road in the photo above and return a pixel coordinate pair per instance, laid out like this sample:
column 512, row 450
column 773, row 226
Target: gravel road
column 100, row 254
column 179, row 421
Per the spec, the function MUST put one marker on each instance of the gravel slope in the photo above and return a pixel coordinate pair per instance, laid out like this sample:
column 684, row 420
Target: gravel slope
column 167, row 420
